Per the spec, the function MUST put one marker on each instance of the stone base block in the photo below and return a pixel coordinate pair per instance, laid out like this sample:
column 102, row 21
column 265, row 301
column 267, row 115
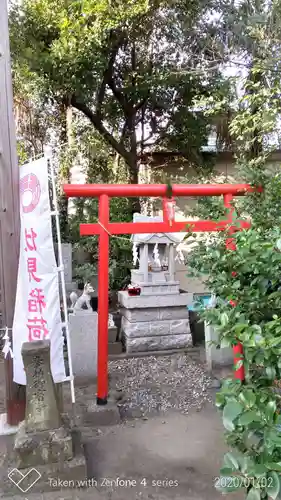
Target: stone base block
column 42, row 447
column 155, row 314
column 83, row 330
column 157, row 328
column 157, row 343
column 112, row 334
column 152, row 301
column 102, row 415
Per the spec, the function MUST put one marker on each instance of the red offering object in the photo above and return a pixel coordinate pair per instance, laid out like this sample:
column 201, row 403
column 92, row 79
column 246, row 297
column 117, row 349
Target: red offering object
column 134, row 291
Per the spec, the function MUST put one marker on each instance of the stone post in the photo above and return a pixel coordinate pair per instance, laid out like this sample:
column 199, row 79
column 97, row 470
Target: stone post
column 171, row 262
column 143, row 262
column 145, row 258
column 42, row 438
column 42, row 411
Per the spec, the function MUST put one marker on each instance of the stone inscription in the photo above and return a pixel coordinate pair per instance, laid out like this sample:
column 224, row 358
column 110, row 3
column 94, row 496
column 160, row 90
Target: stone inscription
column 38, row 383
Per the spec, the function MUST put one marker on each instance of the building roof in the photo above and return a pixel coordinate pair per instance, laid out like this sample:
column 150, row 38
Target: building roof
column 158, row 158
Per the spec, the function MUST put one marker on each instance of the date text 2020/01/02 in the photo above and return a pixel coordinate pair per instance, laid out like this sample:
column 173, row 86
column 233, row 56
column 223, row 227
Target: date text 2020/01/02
column 231, row 482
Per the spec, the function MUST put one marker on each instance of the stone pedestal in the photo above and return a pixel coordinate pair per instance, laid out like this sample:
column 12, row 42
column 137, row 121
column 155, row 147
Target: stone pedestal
column 155, row 322
column 83, row 330
column 42, row 438
column 216, row 358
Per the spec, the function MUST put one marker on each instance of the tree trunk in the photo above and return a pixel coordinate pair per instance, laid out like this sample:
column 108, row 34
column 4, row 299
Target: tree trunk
column 255, row 78
column 64, row 172
column 133, row 166
column 134, row 179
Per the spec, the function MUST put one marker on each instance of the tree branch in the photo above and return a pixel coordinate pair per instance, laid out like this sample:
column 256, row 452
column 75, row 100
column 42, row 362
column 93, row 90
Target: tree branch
column 119, row 96
column 142, row 103
column 97, row 122
column 107, row 75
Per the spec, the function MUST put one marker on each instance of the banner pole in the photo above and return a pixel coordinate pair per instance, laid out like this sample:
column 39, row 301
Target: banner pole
column 61, row 270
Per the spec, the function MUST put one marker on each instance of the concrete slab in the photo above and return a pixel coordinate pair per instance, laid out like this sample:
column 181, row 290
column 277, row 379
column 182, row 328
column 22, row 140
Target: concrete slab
column 99, row 415
column 176, row 457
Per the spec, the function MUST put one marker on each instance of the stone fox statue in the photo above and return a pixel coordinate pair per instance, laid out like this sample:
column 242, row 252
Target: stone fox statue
column 82, row 302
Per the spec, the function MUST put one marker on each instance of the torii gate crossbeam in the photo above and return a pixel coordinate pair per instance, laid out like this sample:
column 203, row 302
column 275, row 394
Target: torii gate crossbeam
column 104, row 228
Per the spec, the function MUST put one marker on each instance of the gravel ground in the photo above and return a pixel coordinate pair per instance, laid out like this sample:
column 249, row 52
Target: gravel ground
column 149, row 385
column 158, row 384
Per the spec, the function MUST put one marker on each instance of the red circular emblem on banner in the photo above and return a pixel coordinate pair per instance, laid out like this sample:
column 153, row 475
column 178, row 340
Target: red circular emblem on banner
column 30, row 192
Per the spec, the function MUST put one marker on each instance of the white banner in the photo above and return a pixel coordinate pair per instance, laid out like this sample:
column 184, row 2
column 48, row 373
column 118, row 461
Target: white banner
column 37, row 310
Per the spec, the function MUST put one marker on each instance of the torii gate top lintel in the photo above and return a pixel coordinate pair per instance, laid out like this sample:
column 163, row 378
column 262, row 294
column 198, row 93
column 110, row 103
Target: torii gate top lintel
column 106, row 191
column 143, row 190
column 104, row 228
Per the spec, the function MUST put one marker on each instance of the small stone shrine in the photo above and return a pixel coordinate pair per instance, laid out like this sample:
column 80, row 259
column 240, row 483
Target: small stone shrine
column 157, row 318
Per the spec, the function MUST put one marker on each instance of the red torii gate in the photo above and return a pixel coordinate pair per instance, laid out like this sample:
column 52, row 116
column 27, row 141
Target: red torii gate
column 104, row 228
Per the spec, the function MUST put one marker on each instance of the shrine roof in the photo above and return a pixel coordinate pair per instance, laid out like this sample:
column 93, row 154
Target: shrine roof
column 155, row 237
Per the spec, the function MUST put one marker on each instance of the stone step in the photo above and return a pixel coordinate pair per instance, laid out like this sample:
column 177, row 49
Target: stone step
column 115, row 348
column 112, row 334
column 193, row 352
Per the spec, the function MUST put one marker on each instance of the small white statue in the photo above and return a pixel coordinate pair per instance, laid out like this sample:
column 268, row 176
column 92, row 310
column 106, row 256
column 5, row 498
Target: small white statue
column 156, row 255
column 111, row 323
column 77, row 303
column 73, row 298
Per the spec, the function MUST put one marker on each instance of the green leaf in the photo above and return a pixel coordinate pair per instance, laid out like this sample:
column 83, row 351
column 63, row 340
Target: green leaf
column 230, row 461
column 226, row 471
column 238, row 364
column 248, row 398
column 278, row 244
column 273, row 466
column 259, row 470
column 254, row 494
column 230, row 412
column 270, row 372
column 220, row 399
column 270, row 410
column 224, row 319
column 225, row 342
column 273, row 485
column 278, row 420
column 248, row 417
